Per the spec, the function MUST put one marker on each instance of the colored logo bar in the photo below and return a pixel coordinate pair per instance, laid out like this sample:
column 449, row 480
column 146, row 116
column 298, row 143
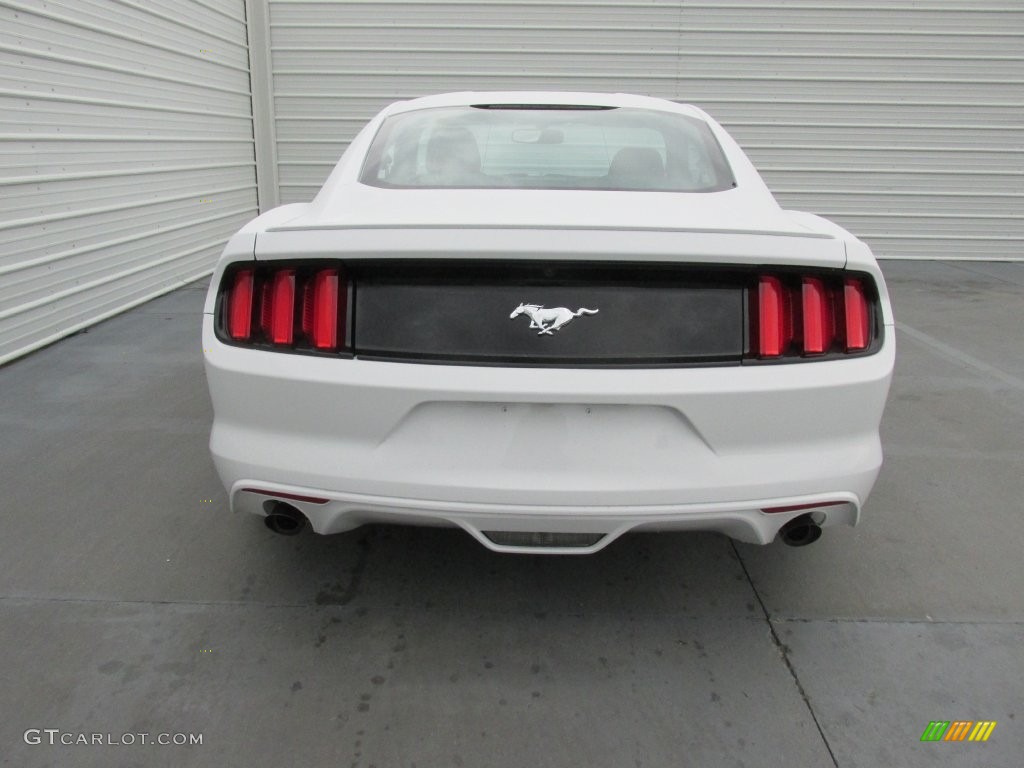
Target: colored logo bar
column 958, row 730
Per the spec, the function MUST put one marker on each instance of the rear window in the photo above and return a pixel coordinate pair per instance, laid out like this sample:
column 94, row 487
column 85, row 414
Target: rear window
column 546, row 148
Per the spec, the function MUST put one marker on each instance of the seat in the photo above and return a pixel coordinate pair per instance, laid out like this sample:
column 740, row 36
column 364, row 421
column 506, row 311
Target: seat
column 636, row 168
column 453, row 158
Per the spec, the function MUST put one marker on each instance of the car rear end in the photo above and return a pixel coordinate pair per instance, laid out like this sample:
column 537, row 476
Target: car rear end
column 723, row 380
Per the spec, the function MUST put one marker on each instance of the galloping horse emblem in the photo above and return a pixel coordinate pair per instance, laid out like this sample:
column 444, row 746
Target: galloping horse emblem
column 549, row 320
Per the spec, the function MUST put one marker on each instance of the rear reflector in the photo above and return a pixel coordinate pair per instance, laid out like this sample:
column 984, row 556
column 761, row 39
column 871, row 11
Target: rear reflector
column 797, row 507
column 240, row 305
column 289, row 496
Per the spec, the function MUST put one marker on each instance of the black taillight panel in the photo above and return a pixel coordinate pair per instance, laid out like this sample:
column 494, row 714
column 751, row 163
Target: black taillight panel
column 463, row 312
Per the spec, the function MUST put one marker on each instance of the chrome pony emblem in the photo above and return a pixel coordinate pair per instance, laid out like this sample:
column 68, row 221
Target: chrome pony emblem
column 549, row 320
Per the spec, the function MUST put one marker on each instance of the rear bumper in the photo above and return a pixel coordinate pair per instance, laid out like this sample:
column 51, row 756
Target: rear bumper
column 547, row 449
column 742, row 521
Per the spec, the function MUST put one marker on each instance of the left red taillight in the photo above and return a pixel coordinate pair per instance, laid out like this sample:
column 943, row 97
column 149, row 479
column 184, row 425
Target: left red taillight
column 240, row 305
column 296, row 307
column 281, row 311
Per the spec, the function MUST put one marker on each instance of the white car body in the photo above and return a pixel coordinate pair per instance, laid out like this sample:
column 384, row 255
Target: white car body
column 542, row 451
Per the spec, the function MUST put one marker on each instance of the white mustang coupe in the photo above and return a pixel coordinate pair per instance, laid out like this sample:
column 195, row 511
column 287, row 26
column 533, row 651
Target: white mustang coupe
column 548, row 319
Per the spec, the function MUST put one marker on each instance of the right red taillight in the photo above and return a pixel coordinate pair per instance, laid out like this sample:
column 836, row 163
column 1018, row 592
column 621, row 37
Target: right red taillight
column 296, row 308
column 858, row 321
column 817, row 316
column 809, row 315
column 320, row 309
column 774, row 320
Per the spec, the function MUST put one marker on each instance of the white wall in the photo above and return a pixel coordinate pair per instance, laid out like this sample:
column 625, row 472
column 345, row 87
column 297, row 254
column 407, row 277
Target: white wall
column 902, row 120
column 126, row 155
column 126, row 126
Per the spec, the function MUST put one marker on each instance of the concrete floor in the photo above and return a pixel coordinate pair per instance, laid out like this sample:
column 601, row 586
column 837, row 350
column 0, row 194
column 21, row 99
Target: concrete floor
column 131, row 601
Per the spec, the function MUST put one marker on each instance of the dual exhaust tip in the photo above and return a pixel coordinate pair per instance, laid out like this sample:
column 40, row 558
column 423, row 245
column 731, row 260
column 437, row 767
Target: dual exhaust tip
column 286, row 520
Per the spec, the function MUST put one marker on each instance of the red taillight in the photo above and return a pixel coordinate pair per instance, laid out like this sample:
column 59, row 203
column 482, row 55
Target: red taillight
column 818, row 317
column 809, row 315
column 282, row 307
column 291, row 307
column 240, row 305
column 323, row 330
column 857, row 319
column 774, row 319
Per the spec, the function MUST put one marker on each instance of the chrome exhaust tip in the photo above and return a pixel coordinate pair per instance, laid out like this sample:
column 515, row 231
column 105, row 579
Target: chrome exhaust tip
column 285, row 519
column 800, row 531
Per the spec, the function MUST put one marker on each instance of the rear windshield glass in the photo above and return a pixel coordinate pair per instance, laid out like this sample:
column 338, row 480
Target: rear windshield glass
column 546, row 148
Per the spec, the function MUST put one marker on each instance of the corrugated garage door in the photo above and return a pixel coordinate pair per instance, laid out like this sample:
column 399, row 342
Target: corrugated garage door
column 902, row 120
column 126, row 155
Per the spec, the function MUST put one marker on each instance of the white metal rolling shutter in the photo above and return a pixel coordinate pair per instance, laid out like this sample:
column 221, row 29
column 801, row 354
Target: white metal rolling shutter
column 902, row 120
column 126, row 155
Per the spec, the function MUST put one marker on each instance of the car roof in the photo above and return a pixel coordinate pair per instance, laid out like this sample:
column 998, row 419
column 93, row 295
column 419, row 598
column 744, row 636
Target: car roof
column 542, row 98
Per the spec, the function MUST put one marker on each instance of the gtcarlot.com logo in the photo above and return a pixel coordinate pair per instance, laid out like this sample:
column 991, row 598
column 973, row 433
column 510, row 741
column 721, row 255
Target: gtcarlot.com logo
column 958, row 730
column 57, row 737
